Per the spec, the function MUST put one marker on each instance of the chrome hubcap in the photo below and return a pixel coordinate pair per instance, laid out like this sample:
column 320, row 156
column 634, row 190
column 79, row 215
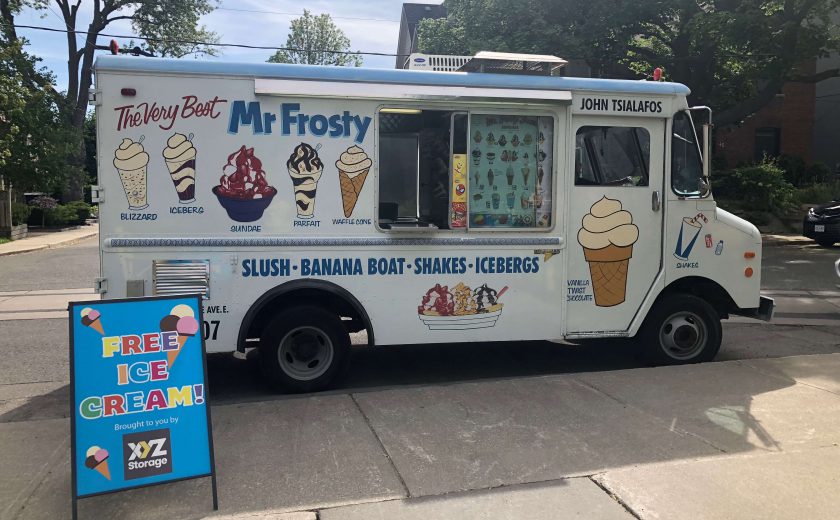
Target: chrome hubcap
column 305, row 353
column 683, row 335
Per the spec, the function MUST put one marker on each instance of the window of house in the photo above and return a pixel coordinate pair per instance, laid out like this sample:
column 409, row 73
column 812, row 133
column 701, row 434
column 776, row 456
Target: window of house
column 767, row 142
column 510, row 171
column 686, row 162
column 612, row 156
column 455, row 170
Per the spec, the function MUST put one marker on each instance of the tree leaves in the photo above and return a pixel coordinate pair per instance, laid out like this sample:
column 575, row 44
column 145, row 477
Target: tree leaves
column 311, row 38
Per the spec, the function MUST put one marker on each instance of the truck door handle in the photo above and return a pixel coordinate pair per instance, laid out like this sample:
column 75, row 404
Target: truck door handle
column 655, row 202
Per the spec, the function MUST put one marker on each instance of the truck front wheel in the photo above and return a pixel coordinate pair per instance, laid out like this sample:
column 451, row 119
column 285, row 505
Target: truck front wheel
column 681, row 329
column 303, row 349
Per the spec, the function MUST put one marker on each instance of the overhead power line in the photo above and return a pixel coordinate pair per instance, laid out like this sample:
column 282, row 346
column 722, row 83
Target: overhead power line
column 209, row 44
column 286, row 13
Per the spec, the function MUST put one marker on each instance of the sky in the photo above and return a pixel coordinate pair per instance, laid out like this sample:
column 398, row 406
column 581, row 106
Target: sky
column 371, row 25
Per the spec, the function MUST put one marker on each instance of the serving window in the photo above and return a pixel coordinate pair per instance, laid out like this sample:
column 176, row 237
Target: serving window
column 454, row 170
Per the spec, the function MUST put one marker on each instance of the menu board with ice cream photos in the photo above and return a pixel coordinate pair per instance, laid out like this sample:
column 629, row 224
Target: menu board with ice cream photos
column 510, row 179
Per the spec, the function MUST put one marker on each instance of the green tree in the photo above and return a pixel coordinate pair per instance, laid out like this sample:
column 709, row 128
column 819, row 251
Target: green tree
column 316, row 40
column 167, row 24
column 734, row 54
column 34, row 139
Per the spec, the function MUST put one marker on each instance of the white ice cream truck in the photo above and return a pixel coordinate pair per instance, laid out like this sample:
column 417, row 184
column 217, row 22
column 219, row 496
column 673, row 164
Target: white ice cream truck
column 306, row 203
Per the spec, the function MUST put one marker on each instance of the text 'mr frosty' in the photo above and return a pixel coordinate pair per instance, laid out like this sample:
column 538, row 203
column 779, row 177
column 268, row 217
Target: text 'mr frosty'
column 318, row 125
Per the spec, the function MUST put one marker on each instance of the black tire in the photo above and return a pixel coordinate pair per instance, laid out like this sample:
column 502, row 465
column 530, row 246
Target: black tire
column 304, row 349
column 681, row 329
column 826, row 242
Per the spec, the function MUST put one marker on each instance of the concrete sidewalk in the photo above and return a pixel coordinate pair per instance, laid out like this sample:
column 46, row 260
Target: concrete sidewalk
column 49, row 240
column 739, row 439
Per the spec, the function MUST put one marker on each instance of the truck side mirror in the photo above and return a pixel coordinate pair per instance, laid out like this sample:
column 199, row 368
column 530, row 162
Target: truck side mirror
column 704, row 186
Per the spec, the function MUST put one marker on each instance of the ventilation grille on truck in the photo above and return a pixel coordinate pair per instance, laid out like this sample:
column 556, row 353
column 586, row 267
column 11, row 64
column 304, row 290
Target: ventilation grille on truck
column 181, row 277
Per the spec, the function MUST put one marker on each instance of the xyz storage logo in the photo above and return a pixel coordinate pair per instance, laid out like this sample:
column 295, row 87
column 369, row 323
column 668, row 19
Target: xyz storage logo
column 146, row 454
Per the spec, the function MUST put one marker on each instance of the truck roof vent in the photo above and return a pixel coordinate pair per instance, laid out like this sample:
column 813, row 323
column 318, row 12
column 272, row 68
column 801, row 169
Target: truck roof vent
column 436, row 62
column 181, row 277
column 511, row 63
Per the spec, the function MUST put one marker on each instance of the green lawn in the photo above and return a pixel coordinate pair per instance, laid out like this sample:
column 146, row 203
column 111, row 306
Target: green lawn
column 4, row 240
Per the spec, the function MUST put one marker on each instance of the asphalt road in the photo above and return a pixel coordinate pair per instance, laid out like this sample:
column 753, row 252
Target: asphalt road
column 36, row 350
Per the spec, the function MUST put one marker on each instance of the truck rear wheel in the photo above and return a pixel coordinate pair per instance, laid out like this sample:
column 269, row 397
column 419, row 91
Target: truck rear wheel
column 681, row 329
column 303, row 349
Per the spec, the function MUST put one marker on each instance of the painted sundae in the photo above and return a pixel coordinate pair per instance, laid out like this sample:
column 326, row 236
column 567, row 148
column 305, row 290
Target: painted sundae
column 353, row 167
column 528, row 140
column 607, row 236
column 461, row 308
column 515, row 140
column 502, row 140
column 477, row 137
column 181, row 319
column 132, row 161
column 491, row 139
column 476, row 155
column 243, row 190
column 305, row 168
column 179, row 156
column 490, row 157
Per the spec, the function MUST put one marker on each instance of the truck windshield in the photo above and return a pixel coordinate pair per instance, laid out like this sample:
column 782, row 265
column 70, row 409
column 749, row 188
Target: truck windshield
column 686, row 164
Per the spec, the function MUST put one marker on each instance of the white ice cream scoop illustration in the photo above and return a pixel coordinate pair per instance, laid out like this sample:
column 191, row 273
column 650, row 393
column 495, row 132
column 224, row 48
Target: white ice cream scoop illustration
column 607, row 236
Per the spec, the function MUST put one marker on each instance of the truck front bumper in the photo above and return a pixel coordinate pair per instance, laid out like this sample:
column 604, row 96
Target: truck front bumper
column 763, row 312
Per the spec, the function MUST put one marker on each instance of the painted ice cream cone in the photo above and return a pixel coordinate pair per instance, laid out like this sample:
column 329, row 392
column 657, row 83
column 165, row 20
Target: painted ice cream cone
column 305, row 168
column 179, row 156
column 353, row 167
column 607, row 236
column 181, row 319
column 131, row 161
column 97, row 459
column 93, row 319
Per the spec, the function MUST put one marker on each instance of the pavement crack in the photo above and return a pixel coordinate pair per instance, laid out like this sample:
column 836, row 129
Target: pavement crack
column 381, row 445
column 615, row 497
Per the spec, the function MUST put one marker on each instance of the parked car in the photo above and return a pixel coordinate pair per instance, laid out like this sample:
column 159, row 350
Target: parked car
column 822, row 223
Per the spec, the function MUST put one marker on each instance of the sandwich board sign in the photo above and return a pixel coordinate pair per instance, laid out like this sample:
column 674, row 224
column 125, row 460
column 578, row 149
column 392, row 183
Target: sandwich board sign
column 138, row 378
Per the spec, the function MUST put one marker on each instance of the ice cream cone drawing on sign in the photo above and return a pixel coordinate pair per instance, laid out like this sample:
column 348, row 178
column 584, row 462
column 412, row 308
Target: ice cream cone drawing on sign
column 132, row 161
column 181, row 319
column 179, row 156
column 607, row 236
column 305, row 168
column 353, row 167
column 93, row 319
column 96, row 458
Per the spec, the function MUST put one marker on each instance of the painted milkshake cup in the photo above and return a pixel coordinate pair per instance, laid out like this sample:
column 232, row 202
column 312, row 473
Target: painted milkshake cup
column 179, row 156
column 496, row 200
column 689, row 231
column 510, row 199
column 305, row 168
column 131, row 162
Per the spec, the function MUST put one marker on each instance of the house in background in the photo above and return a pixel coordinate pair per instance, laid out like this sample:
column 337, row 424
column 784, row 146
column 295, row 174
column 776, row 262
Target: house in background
column 801, row 120
column 827, row 110
column 410, row 19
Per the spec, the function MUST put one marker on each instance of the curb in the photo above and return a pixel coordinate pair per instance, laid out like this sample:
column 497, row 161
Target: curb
column 783, row 240
column 68, row 242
